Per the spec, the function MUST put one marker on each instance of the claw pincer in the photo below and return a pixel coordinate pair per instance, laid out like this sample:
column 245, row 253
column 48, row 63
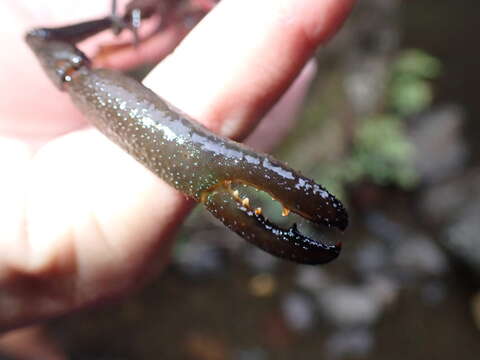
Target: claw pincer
column 252, row 226
column 187, row 155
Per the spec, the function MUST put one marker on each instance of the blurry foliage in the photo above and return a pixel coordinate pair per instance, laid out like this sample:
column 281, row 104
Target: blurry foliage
column 380, row 148
column 381, row 152
column 410, row 91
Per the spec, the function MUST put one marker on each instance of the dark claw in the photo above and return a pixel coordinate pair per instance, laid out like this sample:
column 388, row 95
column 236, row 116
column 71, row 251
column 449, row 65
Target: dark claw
column 288, row 244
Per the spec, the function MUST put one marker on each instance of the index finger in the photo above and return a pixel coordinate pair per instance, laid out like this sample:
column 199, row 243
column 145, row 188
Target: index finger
column 241, row 58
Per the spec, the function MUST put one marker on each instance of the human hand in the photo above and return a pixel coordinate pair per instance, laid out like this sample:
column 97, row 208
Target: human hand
column 82, row 222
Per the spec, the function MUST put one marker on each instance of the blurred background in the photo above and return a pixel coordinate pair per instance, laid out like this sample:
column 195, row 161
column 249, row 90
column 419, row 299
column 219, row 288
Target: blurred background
column 390, row 126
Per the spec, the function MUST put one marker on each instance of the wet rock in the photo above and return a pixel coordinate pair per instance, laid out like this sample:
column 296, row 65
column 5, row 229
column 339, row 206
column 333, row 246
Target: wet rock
column 259, row 260
column 440, row 149
column 419, row 256
column 388, row 230
column 461, row 236
column 312, row 279
column 298, row 311
column 351, row 343
column 443, row 202
column 383, row 289
column 349, row 306
column 199, row 258
column 454, row 208
column 371, row 257
column 407, row 251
